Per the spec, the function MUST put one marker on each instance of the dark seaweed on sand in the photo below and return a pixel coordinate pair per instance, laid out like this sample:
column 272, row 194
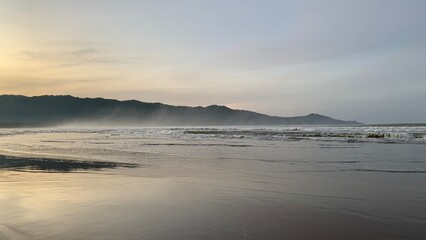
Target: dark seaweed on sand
column 56, row 165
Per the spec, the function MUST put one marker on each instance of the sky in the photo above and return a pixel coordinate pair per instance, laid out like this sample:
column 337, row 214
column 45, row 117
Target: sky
column 352, row 60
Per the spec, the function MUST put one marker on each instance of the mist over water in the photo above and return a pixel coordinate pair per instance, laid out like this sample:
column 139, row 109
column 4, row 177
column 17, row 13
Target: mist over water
column 298, row 182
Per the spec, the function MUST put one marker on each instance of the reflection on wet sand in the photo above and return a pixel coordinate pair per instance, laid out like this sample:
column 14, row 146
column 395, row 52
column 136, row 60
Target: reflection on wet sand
column 40, row 205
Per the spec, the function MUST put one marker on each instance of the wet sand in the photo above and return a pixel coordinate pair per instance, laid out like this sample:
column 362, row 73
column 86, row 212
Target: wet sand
column 122, row 204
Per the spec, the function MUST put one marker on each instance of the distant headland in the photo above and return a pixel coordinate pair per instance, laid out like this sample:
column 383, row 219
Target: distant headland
column 48, row 110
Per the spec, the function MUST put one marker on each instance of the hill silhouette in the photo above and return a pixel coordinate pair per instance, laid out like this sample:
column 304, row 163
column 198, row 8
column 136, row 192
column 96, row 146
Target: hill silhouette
column 20, row 111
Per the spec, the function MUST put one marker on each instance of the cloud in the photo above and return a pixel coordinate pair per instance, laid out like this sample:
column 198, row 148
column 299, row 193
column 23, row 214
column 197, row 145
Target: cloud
column 72, row 58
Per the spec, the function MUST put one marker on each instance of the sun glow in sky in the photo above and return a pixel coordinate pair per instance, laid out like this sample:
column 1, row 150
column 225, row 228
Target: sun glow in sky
column 360, row 60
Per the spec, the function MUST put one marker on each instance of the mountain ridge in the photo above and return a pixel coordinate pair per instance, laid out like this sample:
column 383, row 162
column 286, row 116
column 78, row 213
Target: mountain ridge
column 66, row 109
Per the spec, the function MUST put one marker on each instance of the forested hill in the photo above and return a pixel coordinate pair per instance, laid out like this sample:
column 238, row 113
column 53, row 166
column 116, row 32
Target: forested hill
column 18, row 111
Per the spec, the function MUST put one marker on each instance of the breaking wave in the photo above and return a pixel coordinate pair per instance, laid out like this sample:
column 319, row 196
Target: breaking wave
column 411, row 135
column 352, row 134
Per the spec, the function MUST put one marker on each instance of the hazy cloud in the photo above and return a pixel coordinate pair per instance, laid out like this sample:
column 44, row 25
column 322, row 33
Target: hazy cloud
column 74, row 58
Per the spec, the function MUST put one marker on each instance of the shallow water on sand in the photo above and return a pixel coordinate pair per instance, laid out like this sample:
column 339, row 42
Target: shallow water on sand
column 180, row 183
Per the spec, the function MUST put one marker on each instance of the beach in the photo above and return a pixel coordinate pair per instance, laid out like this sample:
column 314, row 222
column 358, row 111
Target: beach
column 213, row 183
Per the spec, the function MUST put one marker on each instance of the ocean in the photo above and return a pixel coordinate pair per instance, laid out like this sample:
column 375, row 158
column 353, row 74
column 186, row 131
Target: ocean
column 238, row 182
